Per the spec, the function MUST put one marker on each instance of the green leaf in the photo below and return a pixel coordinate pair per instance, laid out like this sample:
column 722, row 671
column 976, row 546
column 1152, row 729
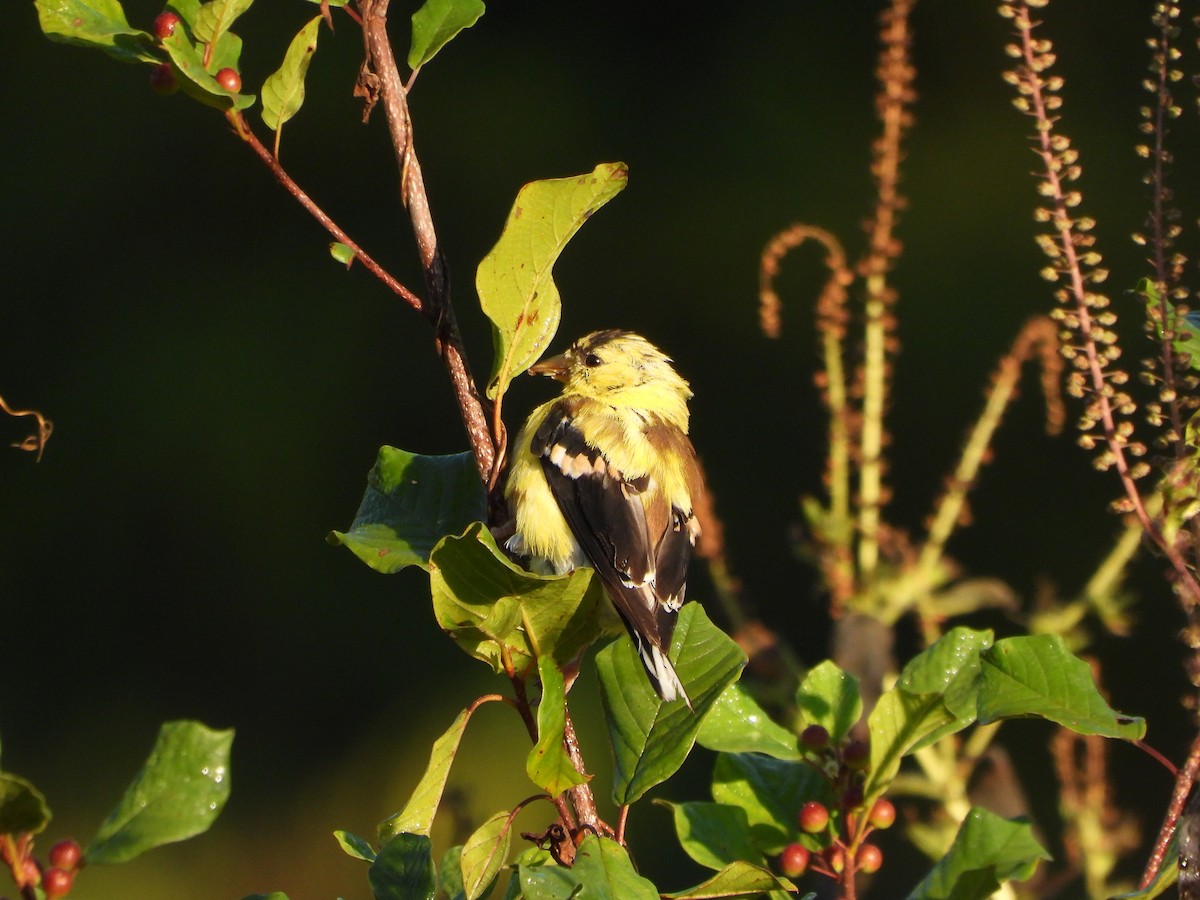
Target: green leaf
column 95, row 23
column 179, row 793
column 412, row 502
column 829, row 697
column 450, row 880
column 487, row 603
column 987, row 851
column 341, row 253
column 514, row 283
column 23, row 809
column 404, row 869
column 529, row 858
column 484, row 854
column 437, row 23
column 216, row 17
column 900, row 722
column 283, row 91
column 274, row 895
column 417, row 815
column 737, row 724
column 713, row 834
column 771, row 791
column 1037, row 676
column 738, row 879
column 548, row 765
column 355, row 846
column 1186, row 327
column 197, row 81
column 651, row 739
column 602, row 871
column 950, row 668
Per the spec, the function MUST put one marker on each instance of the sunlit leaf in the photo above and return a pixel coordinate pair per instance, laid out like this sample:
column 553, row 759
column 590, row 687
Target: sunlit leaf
column 650, row 738
column 99, row 24
column 737, row 724
column 548, row 765
column 987, row 851
column 601, row 871
column 829, row 697
column 412, row 502
column 900, row 722
column 739, row 879
column 179, row 793
column 1037, row 676
column 417, row 815
column 341, row 253
column 283, row 91
column 713, row 834
column 771, row 791
column 216, row 17
column 355, row 846
column 514, row 283
column 198, row 81
column 437, row 23
column 484, row 854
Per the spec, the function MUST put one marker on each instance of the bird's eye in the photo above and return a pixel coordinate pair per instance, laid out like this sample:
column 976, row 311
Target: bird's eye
column 591, row 360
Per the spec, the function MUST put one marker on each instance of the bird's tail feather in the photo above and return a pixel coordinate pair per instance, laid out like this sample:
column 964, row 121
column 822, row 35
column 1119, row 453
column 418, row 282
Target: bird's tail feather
column 662, row 674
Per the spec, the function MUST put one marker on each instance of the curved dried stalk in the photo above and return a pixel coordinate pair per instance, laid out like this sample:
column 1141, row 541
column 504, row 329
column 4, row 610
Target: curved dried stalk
column 36, row 442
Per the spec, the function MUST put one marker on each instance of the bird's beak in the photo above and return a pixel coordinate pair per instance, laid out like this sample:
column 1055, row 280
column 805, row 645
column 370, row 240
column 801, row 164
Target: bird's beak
column 556, row 367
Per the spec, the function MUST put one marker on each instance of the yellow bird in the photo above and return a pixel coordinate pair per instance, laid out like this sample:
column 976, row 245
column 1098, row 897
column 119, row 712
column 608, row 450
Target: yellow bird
column 606, row 476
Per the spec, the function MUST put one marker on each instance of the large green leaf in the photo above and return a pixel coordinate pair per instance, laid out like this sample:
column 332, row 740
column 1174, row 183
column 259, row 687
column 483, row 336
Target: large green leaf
column 737, row 724
column 829, row 697
column 713, row 834
column 987, row 851
column 404, row 869
column 179, row 793
column 771, row 791
column 23, row 809
column 949, row 668
column 417, row 815
column 1037, row 676
column 602, row 871
column 548, row 765
column 493, row 608
column 650, row 738
column 739, row 879
column 100, row 24
column 283, row 91
column 484, row 854
column 412, row 502
column 514, row 283
column 437, row 23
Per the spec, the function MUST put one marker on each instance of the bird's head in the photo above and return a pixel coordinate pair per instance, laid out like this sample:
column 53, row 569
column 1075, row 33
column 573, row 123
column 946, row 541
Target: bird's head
column 621, row 369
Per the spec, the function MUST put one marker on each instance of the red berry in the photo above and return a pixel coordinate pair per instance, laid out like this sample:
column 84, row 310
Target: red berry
column 870, row 858
column 856, row 755
column 66, row 855
column 162, row 79
column 813, row 817
column 814, row 737
column 30, row 873
column 793, row 861
column 164, row 24
column 230, row 80
column 883, row 814
column 57, row 883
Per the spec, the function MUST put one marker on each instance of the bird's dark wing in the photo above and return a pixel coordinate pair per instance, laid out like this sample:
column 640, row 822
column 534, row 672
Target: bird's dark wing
column 644, row 572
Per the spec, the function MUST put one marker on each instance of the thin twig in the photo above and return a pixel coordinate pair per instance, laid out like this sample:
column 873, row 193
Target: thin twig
column 36, row 442
column 1183, row 787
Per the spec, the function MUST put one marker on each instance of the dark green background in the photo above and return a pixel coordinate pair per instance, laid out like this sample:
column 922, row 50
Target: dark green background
column 219, row 386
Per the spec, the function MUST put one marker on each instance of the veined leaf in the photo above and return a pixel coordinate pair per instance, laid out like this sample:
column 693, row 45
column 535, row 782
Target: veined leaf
column 1037, row 676
column 770, row 791
column 516, row 290
column 216, row 17
column 987, row 851
column 437, row 23
column 737, row 724
column 484, row 854
column 197, row 81
column 353, row 845
column 739, row 879
column 417, row 815
column 99, row 24
column 651, row 739
column 179, row 793
column 548, row 765
column 283, row 91
column 829, row 697
column 412, row 502
column 404, row 869
column 900, row 722
column 713, row 834
column 602, row 871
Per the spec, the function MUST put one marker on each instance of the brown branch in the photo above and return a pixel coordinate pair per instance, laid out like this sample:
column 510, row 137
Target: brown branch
column 1183, row 787
column 380, row 81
